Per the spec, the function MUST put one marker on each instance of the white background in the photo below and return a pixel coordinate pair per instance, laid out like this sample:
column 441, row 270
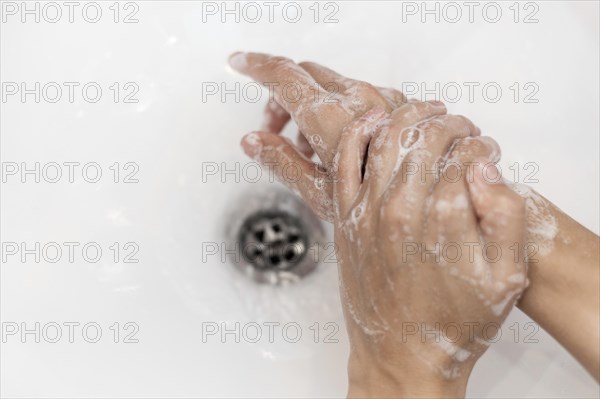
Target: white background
column 171, row 133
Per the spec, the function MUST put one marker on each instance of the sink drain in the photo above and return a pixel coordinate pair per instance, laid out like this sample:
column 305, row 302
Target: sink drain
column 273, row 240
column 275, row 234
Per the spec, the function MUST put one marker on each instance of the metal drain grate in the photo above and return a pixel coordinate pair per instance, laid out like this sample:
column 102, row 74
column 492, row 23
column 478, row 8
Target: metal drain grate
column 273, row 240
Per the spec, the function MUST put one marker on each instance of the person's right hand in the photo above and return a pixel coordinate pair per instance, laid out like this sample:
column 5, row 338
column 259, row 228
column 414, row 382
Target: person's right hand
column 421, row 256
column 386, row 221
column 563, row 254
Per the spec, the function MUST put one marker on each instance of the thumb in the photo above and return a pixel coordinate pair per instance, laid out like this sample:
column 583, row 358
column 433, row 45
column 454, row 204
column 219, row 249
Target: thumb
column 501, row 215
column 293, row 169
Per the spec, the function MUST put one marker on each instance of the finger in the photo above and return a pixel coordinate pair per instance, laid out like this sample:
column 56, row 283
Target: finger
column 293, row 169
column 450, row 204
column 394, row 97
column 334, row 82
column 415, row 111
column 330, row 80
column 293, row 88
column 416, row 173
column 273, row 71
column 390, row 143
column 348, row 162
column 502, row 219
column 303, row 145
column 275, row 118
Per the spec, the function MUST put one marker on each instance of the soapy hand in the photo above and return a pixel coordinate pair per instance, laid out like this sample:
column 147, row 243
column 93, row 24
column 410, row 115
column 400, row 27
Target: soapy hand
column 450, row 208
column 318, row 99
column 426, row 263
column 321, row 102
column 419, row 255
column 392, row 223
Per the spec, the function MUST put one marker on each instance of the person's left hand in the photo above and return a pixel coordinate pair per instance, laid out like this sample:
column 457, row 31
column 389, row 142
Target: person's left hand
column 321, row 102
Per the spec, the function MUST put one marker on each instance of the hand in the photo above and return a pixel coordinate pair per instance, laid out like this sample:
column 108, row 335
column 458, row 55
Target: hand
column 392, row 212
column 565, row 254
column 319, row 100
column 390, row 286
column 321, row 105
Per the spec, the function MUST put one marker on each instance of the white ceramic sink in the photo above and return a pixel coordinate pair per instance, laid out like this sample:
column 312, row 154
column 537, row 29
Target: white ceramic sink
column 179, row 138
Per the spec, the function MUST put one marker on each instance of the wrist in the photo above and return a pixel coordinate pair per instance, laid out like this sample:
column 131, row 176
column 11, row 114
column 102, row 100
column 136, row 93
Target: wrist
column 569, row 265
column 371, row 379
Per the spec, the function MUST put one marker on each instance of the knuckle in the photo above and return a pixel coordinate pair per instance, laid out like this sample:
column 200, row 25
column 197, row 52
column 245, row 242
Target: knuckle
column 459, row 124
column 411, row 108
column 414, row 111
column 471, row 147
column 433, row 109
column 277, row 59
column 276, row 63
column 363, row 86
column 449, row 204
column 393, row 95
column 461, row 119
column 434, row 127
column 369, row 93
column 450, row 217
column 306, row 64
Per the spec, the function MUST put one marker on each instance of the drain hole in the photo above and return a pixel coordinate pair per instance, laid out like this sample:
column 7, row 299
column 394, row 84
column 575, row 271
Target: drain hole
column 260, row 235
column 289, row 255
column 274, row 260
column 273, row 240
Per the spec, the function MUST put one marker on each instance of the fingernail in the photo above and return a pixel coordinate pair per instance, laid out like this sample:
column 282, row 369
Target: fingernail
column 252, row 145
column 238, row 61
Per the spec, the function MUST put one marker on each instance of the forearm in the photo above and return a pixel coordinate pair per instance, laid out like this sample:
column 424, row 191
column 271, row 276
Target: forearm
column 368, row 379
column 563, row 296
